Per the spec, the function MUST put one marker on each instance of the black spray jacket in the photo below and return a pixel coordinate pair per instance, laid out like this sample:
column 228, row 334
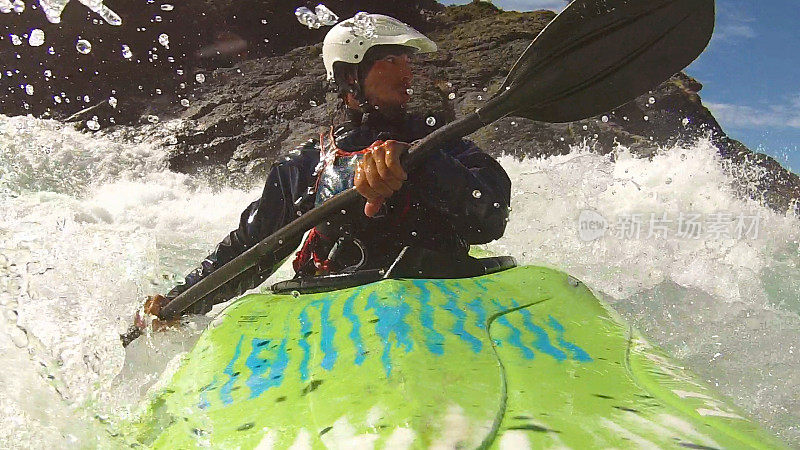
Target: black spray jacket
column 459, row 196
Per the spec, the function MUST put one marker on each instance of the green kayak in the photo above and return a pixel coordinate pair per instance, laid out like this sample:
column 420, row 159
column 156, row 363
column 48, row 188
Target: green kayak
column 523, row 358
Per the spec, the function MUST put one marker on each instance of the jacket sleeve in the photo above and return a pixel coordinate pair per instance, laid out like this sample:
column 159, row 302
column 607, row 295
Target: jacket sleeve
column 468, row 186
column 280, row 202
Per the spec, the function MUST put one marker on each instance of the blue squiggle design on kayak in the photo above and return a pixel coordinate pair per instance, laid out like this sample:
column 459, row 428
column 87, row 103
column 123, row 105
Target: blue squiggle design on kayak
column 477, row 307
column 305, row 331
column 542, row 341
column 458, row 328
column 327, row 334
column 225, row 391
column 355, row 333
column 397, row 324
column 481, row 284
column 516, row 335
column 258, row 367
column 391, row 320
column 578, row 353
column 433, row 339
column 204, row 403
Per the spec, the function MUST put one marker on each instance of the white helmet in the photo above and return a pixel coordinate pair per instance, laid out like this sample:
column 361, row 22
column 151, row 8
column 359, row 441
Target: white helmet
column 350, row 39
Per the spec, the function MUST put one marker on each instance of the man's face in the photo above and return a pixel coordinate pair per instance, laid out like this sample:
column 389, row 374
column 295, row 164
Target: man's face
column 388, row 81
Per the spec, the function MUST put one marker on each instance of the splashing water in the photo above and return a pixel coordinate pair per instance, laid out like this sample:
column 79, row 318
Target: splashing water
column 325, row 15
column 92, row 224
column 307, row 17
column 363, row 25
column 727, row 306
column 53, row 8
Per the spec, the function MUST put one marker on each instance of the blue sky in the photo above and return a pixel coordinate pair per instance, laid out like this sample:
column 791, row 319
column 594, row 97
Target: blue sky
column 750, row 71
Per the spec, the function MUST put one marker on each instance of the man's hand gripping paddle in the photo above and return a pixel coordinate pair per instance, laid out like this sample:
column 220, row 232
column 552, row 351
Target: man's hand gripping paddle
column 593, row 57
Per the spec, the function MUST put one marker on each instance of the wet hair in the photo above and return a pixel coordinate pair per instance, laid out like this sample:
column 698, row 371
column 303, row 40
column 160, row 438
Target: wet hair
column 342, row 71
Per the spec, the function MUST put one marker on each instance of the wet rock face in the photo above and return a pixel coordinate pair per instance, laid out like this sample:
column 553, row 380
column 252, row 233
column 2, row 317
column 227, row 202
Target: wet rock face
column 279, row 102
column 255, row 105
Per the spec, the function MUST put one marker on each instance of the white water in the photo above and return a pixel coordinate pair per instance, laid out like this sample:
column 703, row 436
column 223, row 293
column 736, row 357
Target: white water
column 89, row 225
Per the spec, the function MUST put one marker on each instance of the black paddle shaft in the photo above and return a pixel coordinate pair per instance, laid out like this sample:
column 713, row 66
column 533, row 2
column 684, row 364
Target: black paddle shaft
column 594, row 56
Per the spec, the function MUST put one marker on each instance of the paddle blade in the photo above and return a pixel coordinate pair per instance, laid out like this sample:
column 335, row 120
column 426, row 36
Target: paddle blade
column 599, row 54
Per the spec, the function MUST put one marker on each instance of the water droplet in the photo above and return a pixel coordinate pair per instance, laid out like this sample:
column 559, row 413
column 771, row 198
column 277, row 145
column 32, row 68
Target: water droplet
column 299, row 213
column 15, row 39
column 179, row 71
column 157, row 18
column 263, row 21
column 171, row 140
column 410, row 91
column 685, row 121
column 185, row 102
column 646, row 118
column 83, row 46
column 496, row 205
column 158, row 91
column 126, row 52
column 430, row 121
column 325, row 15
column 585, row 127
column 668, row 181
column 344, row 212
column 86, row 99
column 683, row 156
column 413, row 233
column 48, row 73
column 312, row 103
column 163, row 39
column 92, row 124
column 18, row 6
column 651, row 100
column 363, row 25
column 108, row 15
column 295, row 294
column 152, row 119
column 29, row 89
column 200, row 78
column 480, row 97
column 452, row 96
column 51, row 50
column 112, row 101
column 307, row 17
column 36, row 38
column 280, row 241
column 476, row 193
column 167, row 7
column 604, row 119
column 513, row 123
column 57, row 99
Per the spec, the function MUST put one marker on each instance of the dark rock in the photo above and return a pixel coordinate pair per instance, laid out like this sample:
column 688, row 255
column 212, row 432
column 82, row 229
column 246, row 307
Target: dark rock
column 478, row 43
column 244, row 117
column 198, row 30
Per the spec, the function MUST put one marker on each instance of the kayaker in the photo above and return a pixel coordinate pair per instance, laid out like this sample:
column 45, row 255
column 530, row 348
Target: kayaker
column 458, row 197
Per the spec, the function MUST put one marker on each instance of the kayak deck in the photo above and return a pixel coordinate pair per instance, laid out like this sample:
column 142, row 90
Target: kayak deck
column 527, row 357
